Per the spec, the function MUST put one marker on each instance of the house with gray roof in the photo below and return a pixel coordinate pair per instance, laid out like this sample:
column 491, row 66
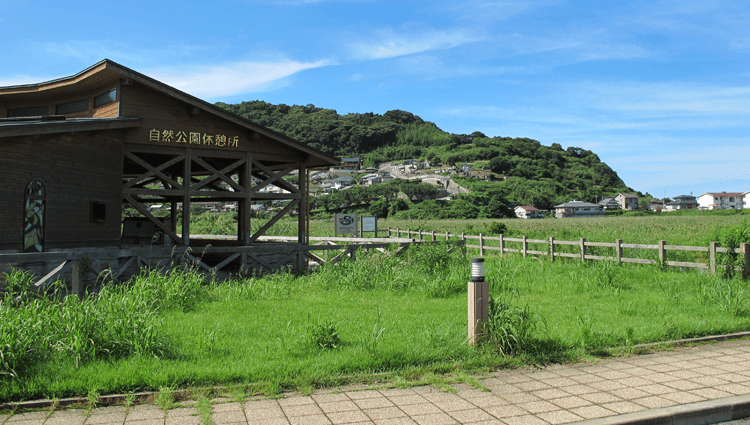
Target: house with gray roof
column 578, row 209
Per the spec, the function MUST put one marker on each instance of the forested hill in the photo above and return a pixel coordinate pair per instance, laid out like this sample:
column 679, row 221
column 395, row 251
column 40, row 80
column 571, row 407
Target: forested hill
column 531, row 173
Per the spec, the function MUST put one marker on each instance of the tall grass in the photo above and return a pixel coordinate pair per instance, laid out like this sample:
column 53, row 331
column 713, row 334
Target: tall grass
column 117, row 322
column 400, row 315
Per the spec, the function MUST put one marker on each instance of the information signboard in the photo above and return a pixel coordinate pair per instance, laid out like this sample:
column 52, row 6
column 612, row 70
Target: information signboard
column 346, row 224
column 369, row 224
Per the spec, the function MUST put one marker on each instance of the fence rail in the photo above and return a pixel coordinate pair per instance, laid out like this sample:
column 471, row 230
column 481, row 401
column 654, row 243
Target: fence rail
column 550, row 250
column 111, row 264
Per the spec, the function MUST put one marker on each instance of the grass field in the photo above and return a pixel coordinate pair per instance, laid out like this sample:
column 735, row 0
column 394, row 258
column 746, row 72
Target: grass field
column 380, row 318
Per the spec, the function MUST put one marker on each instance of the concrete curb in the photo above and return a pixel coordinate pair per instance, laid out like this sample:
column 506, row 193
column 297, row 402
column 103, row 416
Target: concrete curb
column 700, row 413
column 710, row 338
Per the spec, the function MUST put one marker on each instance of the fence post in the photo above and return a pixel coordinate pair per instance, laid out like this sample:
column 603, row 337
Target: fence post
column 447, row 235
column 583, row 249
column 433, row 236
column 481, row 245
column 502, row 244
column 389, row 233
column 420, row 234
column 662, row 253
column 77, row 285
column 524, row 246
column 618, row 250
column 552, row 249
column 463, row 236
column 712, row 256
column 745, row 250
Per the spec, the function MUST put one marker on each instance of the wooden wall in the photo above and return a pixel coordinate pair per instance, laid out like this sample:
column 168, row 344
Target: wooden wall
column 163, row 112
column 76, row 168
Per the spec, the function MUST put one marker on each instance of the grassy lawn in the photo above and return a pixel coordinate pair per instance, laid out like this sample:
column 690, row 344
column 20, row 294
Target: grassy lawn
column 397, row 319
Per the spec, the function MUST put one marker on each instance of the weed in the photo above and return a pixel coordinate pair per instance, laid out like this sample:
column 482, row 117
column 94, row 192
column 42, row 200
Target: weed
column 92, row 399
column 371, row 340
column 165, row 398
column 323, row 335
column 205, row 408
column 129, row 400
column 510, row 330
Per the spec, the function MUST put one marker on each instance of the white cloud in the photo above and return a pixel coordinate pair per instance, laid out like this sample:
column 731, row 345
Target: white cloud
column 232, row 78
column 388, row 44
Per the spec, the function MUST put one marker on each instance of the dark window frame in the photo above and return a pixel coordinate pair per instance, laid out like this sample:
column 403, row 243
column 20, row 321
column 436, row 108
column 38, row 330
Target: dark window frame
column 107, row 96
column 76, row 105
column 98, row 212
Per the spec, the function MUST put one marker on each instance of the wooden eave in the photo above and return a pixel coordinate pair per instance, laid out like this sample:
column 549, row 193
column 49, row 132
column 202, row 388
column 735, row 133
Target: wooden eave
column 29, row 128
column 109, row 69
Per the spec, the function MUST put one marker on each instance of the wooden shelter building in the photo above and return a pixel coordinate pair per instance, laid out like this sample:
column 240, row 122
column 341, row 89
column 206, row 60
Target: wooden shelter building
column 74, row 150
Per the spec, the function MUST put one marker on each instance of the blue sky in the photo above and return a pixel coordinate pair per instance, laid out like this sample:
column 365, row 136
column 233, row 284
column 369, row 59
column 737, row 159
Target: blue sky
column 660, row 90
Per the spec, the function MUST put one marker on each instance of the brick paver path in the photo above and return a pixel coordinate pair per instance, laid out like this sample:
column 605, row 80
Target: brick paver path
column 553, row 395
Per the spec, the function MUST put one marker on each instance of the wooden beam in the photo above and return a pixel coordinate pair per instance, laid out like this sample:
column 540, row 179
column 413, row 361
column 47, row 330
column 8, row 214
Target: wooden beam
column 151, row 217
column 153, row 170
column 52, row 276
column 220, row 174
column 274, row 177
column 273, row 220
column 245, row 210
column 187, row 173
column 225, row 262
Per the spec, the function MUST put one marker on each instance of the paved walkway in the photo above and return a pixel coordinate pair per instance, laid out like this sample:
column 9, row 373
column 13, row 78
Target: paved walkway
column 554, row 395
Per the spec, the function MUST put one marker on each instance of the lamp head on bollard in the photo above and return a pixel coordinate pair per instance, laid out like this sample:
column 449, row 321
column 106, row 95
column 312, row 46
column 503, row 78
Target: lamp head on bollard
column 477, row 269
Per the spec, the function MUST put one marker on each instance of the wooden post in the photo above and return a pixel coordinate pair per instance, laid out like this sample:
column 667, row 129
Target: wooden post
column 745, row 250
column 478, row 310
column 463, row 236
column 186, row 183
column 481, row 245
column 433, row 236
column 712, row 255
column 502, row 244
column 583, row 249
column 245, row 205
column 389, row 233
column 78, row 287
column 552, row 248
column 662, row 253
column 302, row 218
column 447, row 236
column 420, row 234
column 398, row 232
column 524, row 246
column 618, row 250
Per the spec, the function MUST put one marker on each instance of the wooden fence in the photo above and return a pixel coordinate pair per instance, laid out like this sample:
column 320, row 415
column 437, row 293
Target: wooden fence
column 582, row 244
column 112, row 264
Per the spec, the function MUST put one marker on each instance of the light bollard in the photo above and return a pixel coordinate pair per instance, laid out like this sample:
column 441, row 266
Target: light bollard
column 478, row 301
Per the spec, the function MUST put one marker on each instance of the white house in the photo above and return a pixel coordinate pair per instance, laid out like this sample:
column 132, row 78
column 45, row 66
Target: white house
column 627, row 201
column 578, row 209
column 745, row 199
column 527, row 211
column 720, row 201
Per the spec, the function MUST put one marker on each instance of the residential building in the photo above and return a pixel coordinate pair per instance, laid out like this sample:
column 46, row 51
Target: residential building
column 720, row 201
column 578, row 209
column 745, row 199
column 627, row 201
column 351, row 163
column 609, row 204
column 682, row 202
column 527, row 211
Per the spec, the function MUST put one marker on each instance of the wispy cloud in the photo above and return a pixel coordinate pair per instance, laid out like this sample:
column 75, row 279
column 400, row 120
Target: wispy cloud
column 387, row 43
column 233, row 78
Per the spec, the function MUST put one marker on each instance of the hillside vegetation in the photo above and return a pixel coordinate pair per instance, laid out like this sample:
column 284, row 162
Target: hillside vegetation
column 525, row 171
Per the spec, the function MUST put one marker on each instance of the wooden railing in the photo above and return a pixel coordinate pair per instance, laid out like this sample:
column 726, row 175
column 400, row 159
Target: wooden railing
column 582, row 244
column 73, row 264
